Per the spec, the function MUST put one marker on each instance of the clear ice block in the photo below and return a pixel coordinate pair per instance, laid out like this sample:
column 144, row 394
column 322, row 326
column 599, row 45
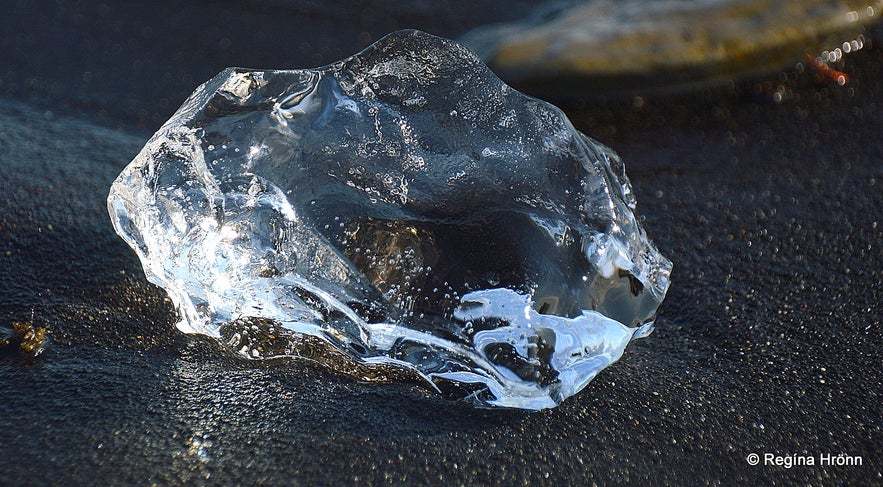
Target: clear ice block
column 400, row 211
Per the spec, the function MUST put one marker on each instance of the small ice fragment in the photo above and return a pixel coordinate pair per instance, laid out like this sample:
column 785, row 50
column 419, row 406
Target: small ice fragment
column 401, row 210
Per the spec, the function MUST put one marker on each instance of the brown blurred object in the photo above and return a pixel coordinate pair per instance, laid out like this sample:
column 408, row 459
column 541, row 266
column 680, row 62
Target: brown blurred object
column 665, row 45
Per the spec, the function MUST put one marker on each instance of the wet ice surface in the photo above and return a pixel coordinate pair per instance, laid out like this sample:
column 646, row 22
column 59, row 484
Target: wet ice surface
column 399, row 213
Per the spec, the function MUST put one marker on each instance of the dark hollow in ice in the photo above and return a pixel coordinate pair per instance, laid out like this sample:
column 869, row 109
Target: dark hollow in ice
column 401, row 208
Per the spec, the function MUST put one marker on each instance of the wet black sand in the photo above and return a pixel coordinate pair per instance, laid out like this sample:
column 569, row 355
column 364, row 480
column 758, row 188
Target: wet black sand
column 768, row 342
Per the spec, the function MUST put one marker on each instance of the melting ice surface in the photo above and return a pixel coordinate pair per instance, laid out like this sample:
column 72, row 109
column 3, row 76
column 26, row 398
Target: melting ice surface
column 399, row 213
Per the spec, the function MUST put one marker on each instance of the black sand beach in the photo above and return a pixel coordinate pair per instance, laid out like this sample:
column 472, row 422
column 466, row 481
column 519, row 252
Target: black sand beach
column 768, row 341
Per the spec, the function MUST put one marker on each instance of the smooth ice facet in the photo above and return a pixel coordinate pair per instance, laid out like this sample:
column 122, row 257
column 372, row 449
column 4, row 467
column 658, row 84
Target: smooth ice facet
column 401, row 210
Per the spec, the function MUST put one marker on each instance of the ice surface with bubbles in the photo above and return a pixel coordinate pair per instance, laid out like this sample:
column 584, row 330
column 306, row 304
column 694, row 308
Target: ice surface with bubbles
column 400, row 213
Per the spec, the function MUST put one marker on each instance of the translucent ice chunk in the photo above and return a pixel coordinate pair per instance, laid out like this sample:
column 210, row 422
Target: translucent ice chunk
column 401, row 210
